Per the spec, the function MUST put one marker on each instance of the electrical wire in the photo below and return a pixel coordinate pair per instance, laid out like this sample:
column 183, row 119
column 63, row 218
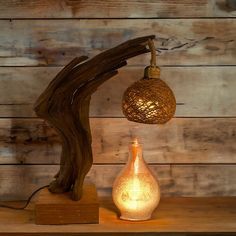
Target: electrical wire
column 27, row 202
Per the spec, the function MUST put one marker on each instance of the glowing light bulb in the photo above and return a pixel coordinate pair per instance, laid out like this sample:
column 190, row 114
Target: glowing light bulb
column 136, row 192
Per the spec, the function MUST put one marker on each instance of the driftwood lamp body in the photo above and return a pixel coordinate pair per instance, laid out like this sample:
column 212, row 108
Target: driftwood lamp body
column 65, row 106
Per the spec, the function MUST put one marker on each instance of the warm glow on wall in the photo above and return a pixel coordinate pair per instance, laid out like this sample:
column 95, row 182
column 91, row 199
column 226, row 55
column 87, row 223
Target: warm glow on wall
column 136, row 191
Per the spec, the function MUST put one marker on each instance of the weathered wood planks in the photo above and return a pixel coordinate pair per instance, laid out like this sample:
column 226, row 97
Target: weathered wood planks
column 197, row 52
column 200, row 91
column 18, row 181
column 182, row 140
column 56, row 42
column 115, row 9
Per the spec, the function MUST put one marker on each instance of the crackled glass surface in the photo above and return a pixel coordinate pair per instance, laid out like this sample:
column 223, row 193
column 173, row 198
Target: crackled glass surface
column 136, row 192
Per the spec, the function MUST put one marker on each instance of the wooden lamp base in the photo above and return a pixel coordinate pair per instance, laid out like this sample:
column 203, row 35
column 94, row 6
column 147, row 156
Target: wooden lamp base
column 58, row 209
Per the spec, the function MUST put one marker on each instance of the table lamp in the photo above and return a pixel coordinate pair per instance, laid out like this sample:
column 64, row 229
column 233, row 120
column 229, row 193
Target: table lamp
column 65, row 106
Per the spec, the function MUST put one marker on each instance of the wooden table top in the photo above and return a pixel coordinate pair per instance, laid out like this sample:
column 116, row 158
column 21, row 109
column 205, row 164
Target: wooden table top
column 182, row 216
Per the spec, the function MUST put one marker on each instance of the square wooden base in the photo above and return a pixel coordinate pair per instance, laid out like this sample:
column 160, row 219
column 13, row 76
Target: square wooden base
column 58, row 209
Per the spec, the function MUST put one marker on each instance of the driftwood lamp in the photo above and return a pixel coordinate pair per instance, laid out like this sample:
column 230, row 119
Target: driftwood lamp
column 65, row 106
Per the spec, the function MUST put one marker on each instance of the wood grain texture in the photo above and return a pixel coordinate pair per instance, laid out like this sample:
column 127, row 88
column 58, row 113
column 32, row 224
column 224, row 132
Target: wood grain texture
column 114, row 9
column 59, row 209
column 183, row 140
column 200, row 91
column 18, row 181
column 174, row 216
column 56, row 42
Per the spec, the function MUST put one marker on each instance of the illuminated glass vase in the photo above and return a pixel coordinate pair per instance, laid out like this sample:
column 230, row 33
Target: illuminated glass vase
column 136, row 192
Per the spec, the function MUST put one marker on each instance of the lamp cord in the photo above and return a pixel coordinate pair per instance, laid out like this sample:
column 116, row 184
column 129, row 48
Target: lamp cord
column 27, row 202
column 153, row 53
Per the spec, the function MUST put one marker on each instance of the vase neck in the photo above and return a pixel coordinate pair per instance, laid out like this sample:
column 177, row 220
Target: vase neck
column 136, row 156
column 135, row 151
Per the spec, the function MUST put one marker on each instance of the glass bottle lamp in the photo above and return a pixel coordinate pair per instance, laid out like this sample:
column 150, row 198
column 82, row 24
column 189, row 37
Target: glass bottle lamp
column 136, row 192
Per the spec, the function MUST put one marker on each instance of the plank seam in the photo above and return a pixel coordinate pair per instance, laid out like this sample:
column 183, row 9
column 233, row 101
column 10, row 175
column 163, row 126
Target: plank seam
column 120, row 117
column 123, row 163
column 128, row 66
column 119, row 18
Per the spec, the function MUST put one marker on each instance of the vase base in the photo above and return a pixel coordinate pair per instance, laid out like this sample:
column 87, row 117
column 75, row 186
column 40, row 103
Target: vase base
column 122, row 217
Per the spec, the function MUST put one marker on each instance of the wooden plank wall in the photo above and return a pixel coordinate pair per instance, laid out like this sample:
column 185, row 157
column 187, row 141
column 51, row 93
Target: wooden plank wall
column 193, row 155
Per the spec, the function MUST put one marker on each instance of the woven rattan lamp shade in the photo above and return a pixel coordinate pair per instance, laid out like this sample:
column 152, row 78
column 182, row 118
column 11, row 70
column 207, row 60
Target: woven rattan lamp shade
column 149, row 100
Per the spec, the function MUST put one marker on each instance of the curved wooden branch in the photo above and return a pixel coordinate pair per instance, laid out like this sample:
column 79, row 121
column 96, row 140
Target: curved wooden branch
column 65, row 105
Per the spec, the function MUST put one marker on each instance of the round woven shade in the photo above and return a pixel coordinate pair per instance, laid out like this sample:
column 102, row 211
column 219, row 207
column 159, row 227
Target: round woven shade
column 149, row 101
